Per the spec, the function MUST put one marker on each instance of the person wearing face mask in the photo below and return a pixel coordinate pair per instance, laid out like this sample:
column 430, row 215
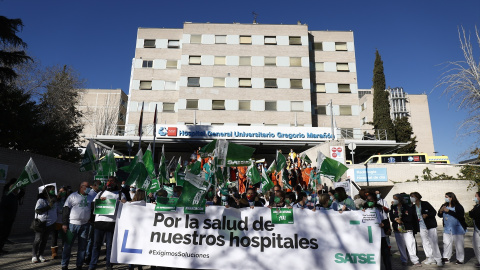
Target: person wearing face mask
column 475, row 215
column 57, row 229
column 427, row 225
column 332, row 201
column 301, row 201
column 401, row 216
column 46, row 212
column 345, row 203
column 290, row 199
column 323, row 202
column 253, row 199
column 383, row 203
column 207, row 169
column 132, row 191
column 76, row 215
column 372, row 203
column 96, row 188
column 454, row 228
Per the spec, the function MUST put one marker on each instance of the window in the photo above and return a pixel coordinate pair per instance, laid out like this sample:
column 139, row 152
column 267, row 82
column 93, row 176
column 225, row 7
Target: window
column 188, row 124
column 193, row 82
column 168, row 107
column 296, row 106
column 347, row 133
column 345, row 110
column 244, row 105
column 147, row 64
column 319, row 67
column 218, row 105
column 245, row 39
column 270, row 61
column 192, row 104
column 317, row 46
column 173, row 43
column 195, row 39
column 221, row 39
column 172, row 64
column 220, row 60
column 270, row 83
column 296, row 83
column 342, row 67
column 270, row 40
column 364, row 120
column 295, row 61
column 245, row 60
column 218, row 82
column 170, row 85
column 340, row 46
column 195, row 60
column 364, row 106
column 270, row 105
column 145, row 85
column 244, row 125
column 320, row 88
column 245, row 82
column 217, row 124
column 295, row 41
column 149, row 43
column 344, row 88
column 321, row 110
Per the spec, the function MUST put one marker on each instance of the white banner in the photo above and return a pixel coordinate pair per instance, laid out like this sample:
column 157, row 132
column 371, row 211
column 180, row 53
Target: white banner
column 225, row 238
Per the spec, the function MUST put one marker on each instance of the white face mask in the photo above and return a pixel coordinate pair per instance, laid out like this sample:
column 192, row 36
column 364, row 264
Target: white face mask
column 447, row 200
column 413, row 199
column 395, row 202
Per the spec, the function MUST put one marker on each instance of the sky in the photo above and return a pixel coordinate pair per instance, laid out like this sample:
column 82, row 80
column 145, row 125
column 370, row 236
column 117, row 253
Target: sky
column 414, row 38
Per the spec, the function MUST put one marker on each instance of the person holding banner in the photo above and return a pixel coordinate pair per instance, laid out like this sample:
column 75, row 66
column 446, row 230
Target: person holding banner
column 8, row 211
column 105, row 223
column 345, row 203
column 324, row 202
column 45, row 212
column 76, row 215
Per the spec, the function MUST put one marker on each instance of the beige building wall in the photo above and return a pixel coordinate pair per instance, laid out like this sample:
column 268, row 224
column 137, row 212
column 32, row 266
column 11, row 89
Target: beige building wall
column 103, row 111
column 420, row 120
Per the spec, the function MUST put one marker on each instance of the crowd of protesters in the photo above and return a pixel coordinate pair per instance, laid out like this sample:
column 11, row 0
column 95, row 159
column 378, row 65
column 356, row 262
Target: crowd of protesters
column 69, row 215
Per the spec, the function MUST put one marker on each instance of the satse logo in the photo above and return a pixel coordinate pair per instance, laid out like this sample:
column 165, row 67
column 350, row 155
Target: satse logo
column 171, row 131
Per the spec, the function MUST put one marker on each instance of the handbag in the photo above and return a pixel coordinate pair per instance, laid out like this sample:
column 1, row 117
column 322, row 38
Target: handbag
column 38, row 225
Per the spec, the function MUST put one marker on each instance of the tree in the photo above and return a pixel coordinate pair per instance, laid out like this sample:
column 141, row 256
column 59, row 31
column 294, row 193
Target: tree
column 381, row 105
column 403, row 133
column 462, row 84
column 60, row 116
column 103, row 118
column 11, row 53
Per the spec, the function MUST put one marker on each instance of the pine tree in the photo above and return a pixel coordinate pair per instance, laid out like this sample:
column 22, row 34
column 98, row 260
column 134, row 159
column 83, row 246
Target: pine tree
column 11, row 53
column 381, row 105
column 403, row 133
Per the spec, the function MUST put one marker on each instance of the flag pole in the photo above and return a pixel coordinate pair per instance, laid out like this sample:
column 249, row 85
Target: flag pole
column 154, row 135
column 140, row 129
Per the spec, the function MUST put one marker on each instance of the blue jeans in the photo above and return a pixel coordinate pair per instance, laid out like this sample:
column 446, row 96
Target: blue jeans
column 81, row 232
column 88, row 251
column 97, row 246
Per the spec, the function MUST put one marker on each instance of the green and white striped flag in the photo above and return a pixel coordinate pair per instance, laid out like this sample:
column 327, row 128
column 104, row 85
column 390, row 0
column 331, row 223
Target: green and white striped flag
column 281, row 161
column 139, row 176
column 330, row 168
column 194, row 191
column 129, row 167
column 29, row 175
column 285, row 179
column 232, row 155
column 253, row 174
column 272, row 167
column 108, row 165
column 267, row 183
column 148, row 161
column 89, row 159
column 162, row 169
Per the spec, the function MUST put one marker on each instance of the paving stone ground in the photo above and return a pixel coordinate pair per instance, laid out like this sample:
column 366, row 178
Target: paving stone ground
column 19, row 256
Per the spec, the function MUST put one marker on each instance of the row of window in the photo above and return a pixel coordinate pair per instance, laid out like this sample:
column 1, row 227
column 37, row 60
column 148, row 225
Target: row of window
column 246, row 40
column 342, row 88
column 344, row 110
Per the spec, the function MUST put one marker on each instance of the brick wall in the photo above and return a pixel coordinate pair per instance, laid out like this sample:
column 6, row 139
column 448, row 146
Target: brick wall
column 52, row 170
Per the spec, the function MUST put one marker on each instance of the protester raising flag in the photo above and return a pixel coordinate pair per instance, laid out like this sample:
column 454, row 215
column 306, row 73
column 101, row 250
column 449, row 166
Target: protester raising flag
column 148, row 161
column 330, row 168
column 253, row 174
column 129, row 167
column 281, row 161
column 29, row 175
column 89, row 159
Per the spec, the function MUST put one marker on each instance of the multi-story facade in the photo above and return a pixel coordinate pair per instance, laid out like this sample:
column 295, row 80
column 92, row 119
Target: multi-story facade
column 244, row 74
column 103, row 111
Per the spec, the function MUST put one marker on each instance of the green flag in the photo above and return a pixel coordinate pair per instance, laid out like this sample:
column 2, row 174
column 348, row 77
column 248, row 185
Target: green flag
column 195, row 168
column 272, row 167
column 194, row 191
column 162, row 170
column 139, row 176
column 232, row 155
column 253, row 174
column 208, row 150
column 89, row 158
column 129, row 167
column 29, row 175
column 281, row 161
column 306, row 159
column 330, row 168
column 148, row 161
column 169, row 191
column 154, row 186
column 108, row 165
column 267, row 183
